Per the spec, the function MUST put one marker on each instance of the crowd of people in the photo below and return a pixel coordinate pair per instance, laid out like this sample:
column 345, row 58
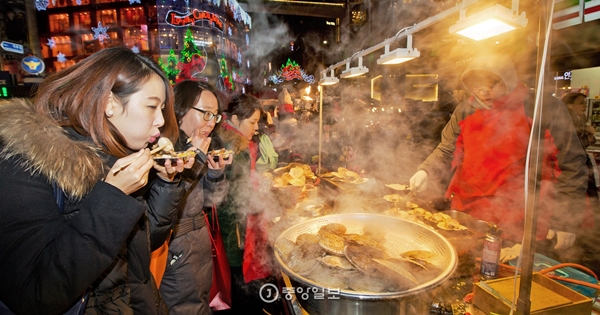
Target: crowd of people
column 85, row 203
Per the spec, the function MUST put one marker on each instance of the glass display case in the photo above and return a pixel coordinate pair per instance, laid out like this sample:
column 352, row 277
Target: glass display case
column 593, row 114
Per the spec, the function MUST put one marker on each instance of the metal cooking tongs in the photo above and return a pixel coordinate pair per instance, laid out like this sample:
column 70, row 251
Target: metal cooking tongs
column 407, row 198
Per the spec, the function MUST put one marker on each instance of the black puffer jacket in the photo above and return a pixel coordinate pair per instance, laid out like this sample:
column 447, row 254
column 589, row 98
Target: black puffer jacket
column 47, row 259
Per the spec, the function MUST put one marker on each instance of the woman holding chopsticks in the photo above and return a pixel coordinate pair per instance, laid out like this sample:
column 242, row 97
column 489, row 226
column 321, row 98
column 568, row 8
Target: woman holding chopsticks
column 84, row 202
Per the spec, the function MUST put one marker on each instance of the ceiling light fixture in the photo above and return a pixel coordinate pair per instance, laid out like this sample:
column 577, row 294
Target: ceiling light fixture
column 325, row 80
column 355, row 71
column 490, row 22
column 398, row 55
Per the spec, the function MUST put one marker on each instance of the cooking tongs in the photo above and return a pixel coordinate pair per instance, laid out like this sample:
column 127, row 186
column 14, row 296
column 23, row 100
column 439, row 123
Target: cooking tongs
column 406, row 200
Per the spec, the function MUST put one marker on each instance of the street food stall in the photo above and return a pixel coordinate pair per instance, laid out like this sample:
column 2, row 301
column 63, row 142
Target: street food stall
column 352, row 244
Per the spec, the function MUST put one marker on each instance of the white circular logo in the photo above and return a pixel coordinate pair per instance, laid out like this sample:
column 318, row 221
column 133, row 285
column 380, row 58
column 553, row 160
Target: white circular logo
column 268, row 293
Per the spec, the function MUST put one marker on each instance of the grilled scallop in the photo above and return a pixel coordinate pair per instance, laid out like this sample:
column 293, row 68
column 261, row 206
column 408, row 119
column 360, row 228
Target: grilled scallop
column 284, row 247
column 358, row 239
column 426, row 258
column 307, row 239
column 336, row 262
column 331, row 243
column 334, row 228
column 301, row 263
column 361, row 257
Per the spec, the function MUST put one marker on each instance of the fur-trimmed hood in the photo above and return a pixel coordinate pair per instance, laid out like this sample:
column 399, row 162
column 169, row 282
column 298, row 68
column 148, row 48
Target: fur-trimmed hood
column 235, row 141
column 46, row 148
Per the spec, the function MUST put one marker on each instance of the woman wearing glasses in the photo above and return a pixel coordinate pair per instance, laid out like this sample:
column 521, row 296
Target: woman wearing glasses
column 188, row 276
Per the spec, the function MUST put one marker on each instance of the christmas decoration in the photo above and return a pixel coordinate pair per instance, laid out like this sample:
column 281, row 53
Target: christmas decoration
column 171, row 69
column 193, row 59
column 41, row 5
column 100, row 32
column 291, row 71
column 61, row 57
column 224, row 81
column 51, row 43
column 135, row 49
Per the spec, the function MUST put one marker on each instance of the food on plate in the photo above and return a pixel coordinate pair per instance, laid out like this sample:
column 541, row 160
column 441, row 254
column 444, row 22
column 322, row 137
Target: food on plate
column 221, row 152
column 163, row 150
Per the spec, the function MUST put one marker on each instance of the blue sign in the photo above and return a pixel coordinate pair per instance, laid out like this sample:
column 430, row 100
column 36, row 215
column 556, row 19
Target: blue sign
column 33, row 65
column 12, row 47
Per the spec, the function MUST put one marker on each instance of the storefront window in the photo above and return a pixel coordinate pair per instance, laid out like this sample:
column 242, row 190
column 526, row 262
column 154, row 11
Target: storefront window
column 132, row 16
column 137, row 36
column 107, row 17
column 110, row 1
column 82, row 20
column 169, row 39
column 59, row 22
column 87, row 46
column 66, row 3
column 63, row 45
column 60, row 65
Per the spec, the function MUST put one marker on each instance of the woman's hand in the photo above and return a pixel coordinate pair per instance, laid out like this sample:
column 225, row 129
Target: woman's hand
column 220, row 164
column 200, row 140
column 131, row 172
column 169, row 170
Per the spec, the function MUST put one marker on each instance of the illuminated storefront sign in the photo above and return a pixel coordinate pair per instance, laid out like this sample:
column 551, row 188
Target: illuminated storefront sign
column 178, row 19
column 566, row 76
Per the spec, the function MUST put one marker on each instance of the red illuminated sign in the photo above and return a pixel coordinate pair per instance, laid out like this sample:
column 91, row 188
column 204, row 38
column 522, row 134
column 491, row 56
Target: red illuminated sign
column 178, row 19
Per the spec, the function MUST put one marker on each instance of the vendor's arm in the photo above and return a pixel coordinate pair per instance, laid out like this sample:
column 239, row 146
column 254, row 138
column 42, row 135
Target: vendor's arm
column 47, row 261
column 571, row 183
column 440, row 159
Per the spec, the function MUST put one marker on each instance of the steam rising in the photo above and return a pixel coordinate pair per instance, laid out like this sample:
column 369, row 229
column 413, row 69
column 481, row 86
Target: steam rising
column 392, row 135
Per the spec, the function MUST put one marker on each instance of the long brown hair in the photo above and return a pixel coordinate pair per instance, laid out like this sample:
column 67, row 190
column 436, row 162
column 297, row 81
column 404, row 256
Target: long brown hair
column 77, row 96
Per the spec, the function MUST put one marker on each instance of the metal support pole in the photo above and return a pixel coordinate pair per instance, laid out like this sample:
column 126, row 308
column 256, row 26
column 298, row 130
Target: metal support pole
column 535, row 168
column 320, row 127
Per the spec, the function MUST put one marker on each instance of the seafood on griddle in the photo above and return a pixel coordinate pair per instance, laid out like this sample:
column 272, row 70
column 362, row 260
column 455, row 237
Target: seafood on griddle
column 307, row 239
column 359, row 239
column 285, row 247
column 334, row 228
column 426, row 258
column 346, row 176
column 360, row 262
column 331, row 243
column 362, row 257
column 301, row 262
column 336, row 262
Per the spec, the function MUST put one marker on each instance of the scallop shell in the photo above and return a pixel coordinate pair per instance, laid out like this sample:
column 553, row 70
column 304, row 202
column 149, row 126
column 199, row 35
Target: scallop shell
column 336, row 262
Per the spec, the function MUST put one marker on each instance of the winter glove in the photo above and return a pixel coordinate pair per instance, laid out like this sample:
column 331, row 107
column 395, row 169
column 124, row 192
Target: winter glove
column 564, row 240
column 419, row 181
column 510, row 253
